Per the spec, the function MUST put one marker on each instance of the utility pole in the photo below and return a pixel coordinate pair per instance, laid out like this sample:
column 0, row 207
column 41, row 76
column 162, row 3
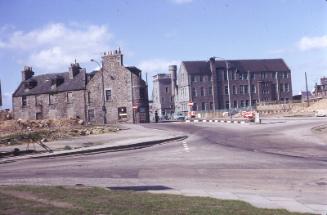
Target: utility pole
column 0, row 96
column 306, row 87
column 249, row 89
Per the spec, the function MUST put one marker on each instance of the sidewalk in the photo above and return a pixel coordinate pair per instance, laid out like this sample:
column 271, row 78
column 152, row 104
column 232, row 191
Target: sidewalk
column 129, row 136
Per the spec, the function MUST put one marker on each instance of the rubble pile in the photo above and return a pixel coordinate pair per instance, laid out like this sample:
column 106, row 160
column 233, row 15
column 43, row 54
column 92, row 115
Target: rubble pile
column 5, row 115
column 27, row 131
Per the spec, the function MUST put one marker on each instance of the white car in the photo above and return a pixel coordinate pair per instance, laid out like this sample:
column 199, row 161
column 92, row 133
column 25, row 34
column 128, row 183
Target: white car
column 321, row 113
column 179, row 116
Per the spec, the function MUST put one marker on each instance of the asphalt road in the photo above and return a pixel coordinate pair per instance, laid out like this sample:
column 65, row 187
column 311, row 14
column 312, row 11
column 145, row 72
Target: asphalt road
column 277, row 159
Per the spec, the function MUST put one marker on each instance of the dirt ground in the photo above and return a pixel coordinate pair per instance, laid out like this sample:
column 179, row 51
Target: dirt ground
column 14, row 132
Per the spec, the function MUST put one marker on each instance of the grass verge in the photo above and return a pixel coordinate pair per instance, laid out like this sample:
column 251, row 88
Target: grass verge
column 84, row 200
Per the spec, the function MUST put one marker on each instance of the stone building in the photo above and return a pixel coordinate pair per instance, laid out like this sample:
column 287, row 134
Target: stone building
column 113, row 94
column 204, row 84
column 321, row 89
column 163, row 94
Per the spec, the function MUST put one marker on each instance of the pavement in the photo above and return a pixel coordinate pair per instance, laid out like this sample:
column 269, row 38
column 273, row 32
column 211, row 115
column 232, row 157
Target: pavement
column 129, row 136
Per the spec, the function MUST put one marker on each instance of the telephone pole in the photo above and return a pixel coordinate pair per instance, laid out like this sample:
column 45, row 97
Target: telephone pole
column 306, row 87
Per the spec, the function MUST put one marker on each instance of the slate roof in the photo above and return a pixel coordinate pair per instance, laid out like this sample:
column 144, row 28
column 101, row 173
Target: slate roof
column 45, row 81
column 134, row 69
column 256, row 65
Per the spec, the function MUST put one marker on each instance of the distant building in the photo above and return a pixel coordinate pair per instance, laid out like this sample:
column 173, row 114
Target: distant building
column 204, row 84
column 321, row 89
column 113, row 94
column 163, row 93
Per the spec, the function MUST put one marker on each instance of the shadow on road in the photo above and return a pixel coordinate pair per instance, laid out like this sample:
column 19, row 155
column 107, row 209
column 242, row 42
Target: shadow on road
column 141, row 188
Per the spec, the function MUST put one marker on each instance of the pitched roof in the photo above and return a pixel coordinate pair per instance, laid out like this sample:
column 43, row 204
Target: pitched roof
column 255, row 65
column 44, row 84
column 133, row 69
column 197, row 67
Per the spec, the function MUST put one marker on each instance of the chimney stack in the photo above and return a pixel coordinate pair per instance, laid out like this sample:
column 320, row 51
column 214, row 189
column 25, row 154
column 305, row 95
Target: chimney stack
column 27, row 73
column 74, row 70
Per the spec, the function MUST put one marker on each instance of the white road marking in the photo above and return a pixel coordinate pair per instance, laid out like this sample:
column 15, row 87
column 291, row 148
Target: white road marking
column 186, row 148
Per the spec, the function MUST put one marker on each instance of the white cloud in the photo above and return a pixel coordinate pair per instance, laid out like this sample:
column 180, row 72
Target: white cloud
column 181, row 1
column 54, row 46
column 308, row 43
column 155, row 66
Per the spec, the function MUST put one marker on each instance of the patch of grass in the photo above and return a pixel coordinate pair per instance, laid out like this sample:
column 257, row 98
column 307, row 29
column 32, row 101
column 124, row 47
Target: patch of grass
column 100, row 201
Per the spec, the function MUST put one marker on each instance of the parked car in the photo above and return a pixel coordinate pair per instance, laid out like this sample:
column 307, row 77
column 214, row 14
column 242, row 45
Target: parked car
column 321, row 113
column 179, row 116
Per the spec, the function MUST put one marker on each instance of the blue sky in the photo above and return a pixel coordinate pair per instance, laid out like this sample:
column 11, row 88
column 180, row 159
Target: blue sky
column 49, row 35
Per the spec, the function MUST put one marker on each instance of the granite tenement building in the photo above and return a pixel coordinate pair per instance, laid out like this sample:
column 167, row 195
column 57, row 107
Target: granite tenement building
column 114, row 93
column 163, row 93
column 204, row 84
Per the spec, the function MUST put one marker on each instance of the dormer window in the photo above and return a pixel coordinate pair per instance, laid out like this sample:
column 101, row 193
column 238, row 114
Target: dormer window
column 30, row 84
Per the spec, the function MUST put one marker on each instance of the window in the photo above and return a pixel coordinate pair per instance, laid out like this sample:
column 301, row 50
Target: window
column 209, row 78
column 195, row 106
column 252, row 76
column 69, row 97
column 122, row 113
column 285, row 74
column 234, row 90
column 211, row 105
column 263, row 75
column 89, row 97
column 235, row 103
column 253, row 88
column 38, row 116
column 287, row 87
column 90, row 115
column 201, row 78
column 233, row 75
column 242, row 103
column 254, row 102
column 247, row 103
column 243, row 76
column 38, row 100
column 202, row 91
column 227, row 104
column 246, row 89
column 193, row 92
column 203, row 105
column 241, row 89
column 108, row 95
column 192, row 78
column 166, row 89
column 24, row 101
column 225, row 75
column 142, row 93
column 52, row 99
column 210, row 91
column 226, row 90
column 162, row 99
column 281, row 87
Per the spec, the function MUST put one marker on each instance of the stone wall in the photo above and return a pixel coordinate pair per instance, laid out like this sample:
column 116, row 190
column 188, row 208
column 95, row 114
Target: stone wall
column 58, row 109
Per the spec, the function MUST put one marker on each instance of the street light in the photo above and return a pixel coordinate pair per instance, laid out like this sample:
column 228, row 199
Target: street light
column 103, row 98
column 228, row 84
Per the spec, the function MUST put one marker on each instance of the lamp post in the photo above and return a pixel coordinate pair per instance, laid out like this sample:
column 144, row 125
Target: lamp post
column 103, row 98
column 228, row 84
